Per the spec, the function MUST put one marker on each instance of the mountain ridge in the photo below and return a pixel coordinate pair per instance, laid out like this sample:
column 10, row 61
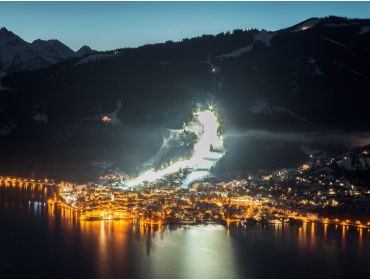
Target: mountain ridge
column 312, row 79
column 18, row 55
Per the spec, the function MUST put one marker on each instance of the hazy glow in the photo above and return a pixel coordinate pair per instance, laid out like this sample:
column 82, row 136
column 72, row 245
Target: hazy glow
column 202, row 160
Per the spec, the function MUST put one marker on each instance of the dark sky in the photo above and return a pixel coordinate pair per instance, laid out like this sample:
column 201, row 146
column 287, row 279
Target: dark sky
column 111, row 25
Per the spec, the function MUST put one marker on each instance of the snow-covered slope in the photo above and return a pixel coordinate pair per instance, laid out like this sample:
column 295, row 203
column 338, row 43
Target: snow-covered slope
column 364, row 29
column 264, row 37
column 93, row 57
column 307, row 25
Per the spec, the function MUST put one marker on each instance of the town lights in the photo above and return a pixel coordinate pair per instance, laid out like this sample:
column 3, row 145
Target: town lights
column 106, row 119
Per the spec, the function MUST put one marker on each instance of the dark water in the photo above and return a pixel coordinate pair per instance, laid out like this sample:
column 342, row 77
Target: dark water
column 40, row 241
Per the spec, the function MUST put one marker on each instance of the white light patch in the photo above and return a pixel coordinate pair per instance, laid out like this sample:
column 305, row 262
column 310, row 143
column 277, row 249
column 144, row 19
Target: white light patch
column 204, row 156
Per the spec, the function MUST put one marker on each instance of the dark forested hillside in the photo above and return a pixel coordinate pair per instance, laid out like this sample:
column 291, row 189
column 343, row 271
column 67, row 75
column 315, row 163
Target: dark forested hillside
column 312, row 76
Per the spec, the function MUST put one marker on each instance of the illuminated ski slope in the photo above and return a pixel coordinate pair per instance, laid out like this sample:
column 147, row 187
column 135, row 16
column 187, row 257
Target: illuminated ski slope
column 203, row 158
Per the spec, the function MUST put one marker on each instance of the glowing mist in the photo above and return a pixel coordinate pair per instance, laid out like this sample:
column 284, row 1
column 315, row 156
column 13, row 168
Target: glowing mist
column 203, row 158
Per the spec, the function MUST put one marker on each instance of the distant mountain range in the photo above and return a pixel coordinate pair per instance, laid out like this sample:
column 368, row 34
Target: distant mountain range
column 18, row 55
column 114, row 106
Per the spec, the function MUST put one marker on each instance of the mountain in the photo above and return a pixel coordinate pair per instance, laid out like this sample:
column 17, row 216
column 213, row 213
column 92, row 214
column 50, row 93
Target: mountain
column 52, row 49
column 18, row 55
column 312, row 77
column 84, row 50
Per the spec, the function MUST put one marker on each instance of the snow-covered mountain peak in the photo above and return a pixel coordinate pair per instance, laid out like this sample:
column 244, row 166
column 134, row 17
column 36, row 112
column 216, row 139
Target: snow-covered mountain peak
column 19, row 55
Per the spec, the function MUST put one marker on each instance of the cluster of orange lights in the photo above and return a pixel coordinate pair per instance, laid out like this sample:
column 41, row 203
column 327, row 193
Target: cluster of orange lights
column 252, row 208
column 106, row 119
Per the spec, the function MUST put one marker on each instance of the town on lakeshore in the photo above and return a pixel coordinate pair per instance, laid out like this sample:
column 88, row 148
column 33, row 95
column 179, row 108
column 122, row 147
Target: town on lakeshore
column 322, row 190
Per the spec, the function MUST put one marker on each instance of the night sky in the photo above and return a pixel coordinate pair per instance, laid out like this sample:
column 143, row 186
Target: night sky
column 111, row 25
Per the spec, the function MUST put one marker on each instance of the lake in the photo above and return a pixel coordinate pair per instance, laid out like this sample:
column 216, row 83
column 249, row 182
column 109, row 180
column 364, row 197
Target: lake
column 40, row 241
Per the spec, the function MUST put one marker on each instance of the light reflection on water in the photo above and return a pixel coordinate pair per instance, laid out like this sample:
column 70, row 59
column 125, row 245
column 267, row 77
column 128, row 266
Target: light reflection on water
column 67, row 247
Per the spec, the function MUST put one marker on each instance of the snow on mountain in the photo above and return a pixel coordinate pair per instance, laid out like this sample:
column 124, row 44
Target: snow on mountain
column 307, row 25
column 351, row 70
column 93, row 57
column 40, row 117
column 356, row 73
column 237, row 52
column 316, row 71
column 364, row 29
column 262, row 106
column 334, row 42
column 19, row 55
column 264, row 37
column 6, row 130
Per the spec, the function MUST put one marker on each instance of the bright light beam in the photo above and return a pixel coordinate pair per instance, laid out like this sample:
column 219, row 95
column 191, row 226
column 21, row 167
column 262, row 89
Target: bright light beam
column 203, row 157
